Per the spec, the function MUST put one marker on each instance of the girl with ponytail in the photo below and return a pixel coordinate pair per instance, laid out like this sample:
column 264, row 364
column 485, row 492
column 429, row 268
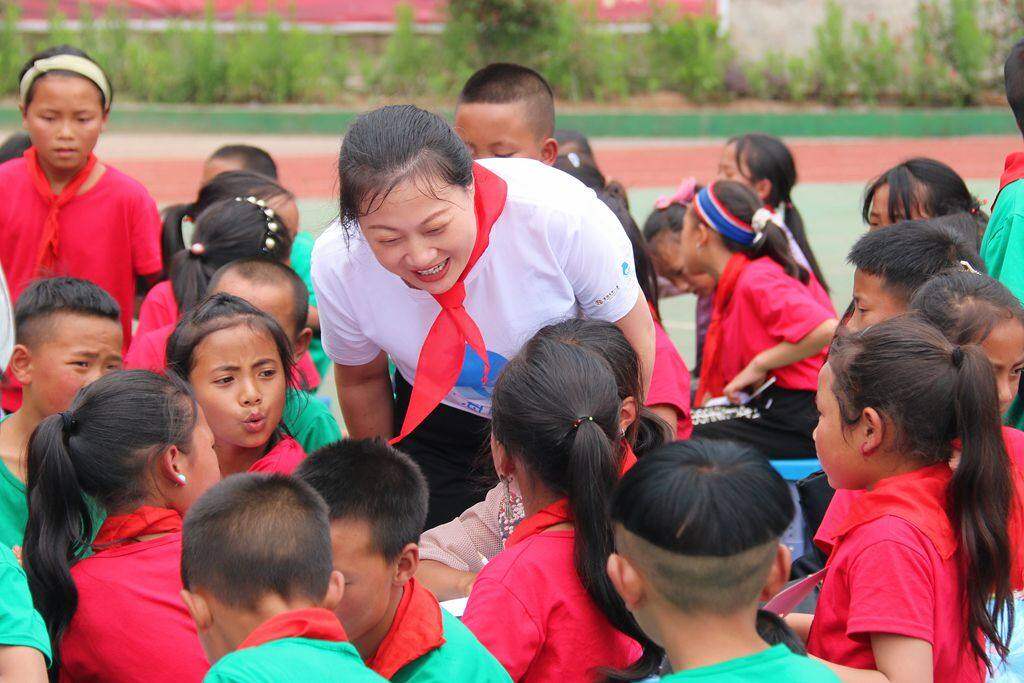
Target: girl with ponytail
column 771, row 320
column 922, row 566
column 136, row 445
column 545, row 606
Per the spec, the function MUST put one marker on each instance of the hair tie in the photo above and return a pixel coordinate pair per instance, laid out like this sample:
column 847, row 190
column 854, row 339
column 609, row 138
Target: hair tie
column 683, row 195
column 270, row 237
column 67, row 421
column 967, row 268
column 958, row 356
column 580, row 420
column 196, row 250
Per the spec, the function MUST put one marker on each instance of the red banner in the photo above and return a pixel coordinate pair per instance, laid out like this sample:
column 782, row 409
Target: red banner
column 329, row 11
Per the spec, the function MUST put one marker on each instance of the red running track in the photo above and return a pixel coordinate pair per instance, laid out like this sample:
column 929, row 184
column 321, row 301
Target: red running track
column 637, row 164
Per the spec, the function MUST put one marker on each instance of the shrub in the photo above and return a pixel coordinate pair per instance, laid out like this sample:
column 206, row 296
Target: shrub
column 968, row 47
column 875, row 62
column 690, row 55
column 830, row 57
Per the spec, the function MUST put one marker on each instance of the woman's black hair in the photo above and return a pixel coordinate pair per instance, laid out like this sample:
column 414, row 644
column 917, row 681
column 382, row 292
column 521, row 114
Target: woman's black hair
column 928, row 188
column 742, row 203
column 556, row 413
column 645, row 273
column 766, row 157
column 97, row 452
column 220, row 312
column 392, row 145
column 932, row 392
column 227, row 185
column 63, row 50
column 605, row 339
column 228, row 230
column 966, row 306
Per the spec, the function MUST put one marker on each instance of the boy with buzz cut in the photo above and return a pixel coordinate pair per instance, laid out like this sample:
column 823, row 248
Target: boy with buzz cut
column 67, row 334
column 377, row 501
column 697, row 529
column 507, row 110
column 892, row 263
column 1003, row 244
column 257, row 577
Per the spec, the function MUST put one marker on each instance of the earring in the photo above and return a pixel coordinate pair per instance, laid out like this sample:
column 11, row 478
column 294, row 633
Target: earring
column 182, row 479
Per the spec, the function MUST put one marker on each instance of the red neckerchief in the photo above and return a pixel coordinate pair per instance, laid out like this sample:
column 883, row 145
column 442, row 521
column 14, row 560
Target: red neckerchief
column 918, row 497
column 50, row 242
column 628, row 458
column 145, row 521
column 313, row 623
column 442, row 353
column 712, row 383
column 554, row 514
column 1013, row 170
column 416, row 631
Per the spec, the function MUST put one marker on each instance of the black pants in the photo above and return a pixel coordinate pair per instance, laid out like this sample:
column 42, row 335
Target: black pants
column 451, row 447
column 779, row 423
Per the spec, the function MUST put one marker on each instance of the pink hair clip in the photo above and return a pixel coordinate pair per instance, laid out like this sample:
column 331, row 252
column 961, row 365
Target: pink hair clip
column 682, row 196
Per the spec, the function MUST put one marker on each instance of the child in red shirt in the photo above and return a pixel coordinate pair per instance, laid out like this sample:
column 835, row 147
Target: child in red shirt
column 922, row 568
column 256, row 569
column 65, row 212
column 239, row 362
column 134, row 445
column 545, row 606
column 771, row 319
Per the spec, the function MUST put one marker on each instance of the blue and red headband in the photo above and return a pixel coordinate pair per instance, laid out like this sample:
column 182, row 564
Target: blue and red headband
column 714, row 213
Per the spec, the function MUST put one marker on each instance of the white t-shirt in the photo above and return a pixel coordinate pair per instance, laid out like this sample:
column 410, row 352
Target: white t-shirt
column 555, row 252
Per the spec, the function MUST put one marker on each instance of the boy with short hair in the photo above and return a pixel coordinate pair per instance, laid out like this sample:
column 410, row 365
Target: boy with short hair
column 693, row 575
column 275, row 289
column 377, row 498
column 67, row 334
column 507, row 110
column 1003, row 244
column 893, row 262
column 239, row 158
column 257, row 577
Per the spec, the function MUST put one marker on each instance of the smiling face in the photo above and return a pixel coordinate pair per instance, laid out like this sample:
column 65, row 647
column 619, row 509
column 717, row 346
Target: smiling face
column 239, row 381
column 424, row 239
column 64, row 120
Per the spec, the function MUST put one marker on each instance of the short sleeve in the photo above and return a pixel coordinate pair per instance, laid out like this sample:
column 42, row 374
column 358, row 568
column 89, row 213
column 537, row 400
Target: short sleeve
column 20, row 623
column 145, row 233
column 670, row 381
column 343, row 341
column 502, row 625
column 159, row 308
column 787, row 308
column 892, row 591
column 598, row 261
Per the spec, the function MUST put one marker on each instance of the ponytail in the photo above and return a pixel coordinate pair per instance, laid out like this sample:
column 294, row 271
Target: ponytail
column 97, row 452
column 775, row 246
column 556, row 412
column 795, row 222
column 934, row 392
column 980, row 497
column 59, row 527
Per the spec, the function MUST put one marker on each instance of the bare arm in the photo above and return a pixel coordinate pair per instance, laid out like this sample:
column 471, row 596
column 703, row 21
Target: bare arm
column 22, row 664
column 446, row 583
column 899, row 660
column 638, row 326
column 366, row 398
column 779, row 356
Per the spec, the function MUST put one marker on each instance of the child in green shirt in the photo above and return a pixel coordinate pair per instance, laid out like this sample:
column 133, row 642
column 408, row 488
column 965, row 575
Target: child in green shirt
column 274, row 288
column 1003, row 245
column 258, row 582
column 24, row 644
column 67, row 334
column 377, row 499
column 697, row 529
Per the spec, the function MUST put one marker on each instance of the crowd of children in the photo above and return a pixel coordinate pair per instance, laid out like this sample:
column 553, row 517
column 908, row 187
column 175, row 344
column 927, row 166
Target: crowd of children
column 176, row 503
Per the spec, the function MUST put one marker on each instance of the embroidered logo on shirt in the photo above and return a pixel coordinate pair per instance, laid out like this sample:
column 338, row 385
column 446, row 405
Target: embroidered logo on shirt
column 609, row 296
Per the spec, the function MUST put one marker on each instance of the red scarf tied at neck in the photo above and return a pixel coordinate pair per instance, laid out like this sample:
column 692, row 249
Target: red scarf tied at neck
column 145, row 521
column 712, row 383
column 50, row 243
column 443, row 350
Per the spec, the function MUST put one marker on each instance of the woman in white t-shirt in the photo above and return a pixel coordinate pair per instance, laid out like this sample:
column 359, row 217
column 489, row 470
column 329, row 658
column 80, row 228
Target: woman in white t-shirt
column 448, row 267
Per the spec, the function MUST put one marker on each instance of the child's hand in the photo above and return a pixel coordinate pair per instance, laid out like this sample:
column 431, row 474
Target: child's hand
column 751, row 376
column 16, row 549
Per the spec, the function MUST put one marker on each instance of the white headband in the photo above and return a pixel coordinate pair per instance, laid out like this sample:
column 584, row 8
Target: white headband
column 73, row 63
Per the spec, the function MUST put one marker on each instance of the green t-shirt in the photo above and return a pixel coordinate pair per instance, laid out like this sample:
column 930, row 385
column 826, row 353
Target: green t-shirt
column 302, row 260
column 462, row 658
column 293, row 660
column 1002, row 250
column 20, row 623
column 310, row 421
column 775, row 665
column 13, row 508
